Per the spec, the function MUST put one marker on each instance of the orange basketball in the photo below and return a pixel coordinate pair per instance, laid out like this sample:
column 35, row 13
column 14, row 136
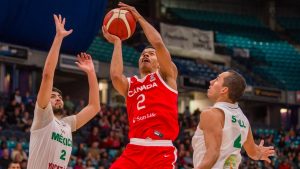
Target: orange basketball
column 120, row 23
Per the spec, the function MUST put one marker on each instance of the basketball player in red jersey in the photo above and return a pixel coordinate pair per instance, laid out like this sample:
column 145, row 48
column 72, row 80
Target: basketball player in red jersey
column 151, row 101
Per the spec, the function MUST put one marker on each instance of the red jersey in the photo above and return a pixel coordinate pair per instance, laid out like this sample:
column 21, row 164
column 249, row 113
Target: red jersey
column 152, row 108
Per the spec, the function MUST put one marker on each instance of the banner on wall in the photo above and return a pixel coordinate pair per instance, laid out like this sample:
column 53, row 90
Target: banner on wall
column 13, row 52
column 185, row 41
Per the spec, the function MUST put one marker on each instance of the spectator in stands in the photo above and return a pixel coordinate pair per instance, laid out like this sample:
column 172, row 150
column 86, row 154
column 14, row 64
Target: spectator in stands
column 17, row 96
column 93, row 160
column 69, row 105
column 89, row 164
column 81, row 153
column 79, row 164
column 94, row 136
column 14, row 165
column 28, row 98
column 18, row 154
column 24, row 164
column 116, row 142
column 17, row 117
column 80, row 106
column 94, row 150
column 104, row 160
column 26, row 121
column 187, row 113
column 285, row 164
column 5, row 159
column 3, row 118
column 104, row 125
column 9, row 110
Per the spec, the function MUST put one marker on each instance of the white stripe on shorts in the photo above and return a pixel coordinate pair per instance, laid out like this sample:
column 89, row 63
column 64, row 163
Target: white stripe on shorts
column 150, row 142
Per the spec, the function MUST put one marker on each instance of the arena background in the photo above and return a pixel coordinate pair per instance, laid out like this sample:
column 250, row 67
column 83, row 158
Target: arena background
column 258, row 38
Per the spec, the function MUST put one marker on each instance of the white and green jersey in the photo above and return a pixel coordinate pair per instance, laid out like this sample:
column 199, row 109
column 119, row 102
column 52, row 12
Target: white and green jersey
column 235, row 131
column 50, row 140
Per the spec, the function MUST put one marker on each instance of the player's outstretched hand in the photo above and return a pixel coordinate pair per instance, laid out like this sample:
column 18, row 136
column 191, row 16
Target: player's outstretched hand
column 265, row 152
column 60, row 26
column 109, row 37
column 85, row 62
column 131, row 9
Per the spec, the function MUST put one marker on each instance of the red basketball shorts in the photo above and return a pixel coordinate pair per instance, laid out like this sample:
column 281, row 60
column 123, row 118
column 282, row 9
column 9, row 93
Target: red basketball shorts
column 147, row 154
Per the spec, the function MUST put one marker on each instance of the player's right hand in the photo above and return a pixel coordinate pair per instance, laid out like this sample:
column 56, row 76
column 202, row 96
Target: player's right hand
column 132, row 9
column 60, row 26
column 109, row 37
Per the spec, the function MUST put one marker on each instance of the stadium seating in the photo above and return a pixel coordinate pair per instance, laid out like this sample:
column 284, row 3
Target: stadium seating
column 102, row 51
column 292, row 25
column 279, row 60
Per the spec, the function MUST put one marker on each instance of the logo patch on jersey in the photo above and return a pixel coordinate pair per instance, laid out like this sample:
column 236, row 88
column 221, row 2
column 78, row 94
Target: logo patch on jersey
column 144, row 117
column 62, row 131
column 231, row 162
column 152, row 78
column 159, row 134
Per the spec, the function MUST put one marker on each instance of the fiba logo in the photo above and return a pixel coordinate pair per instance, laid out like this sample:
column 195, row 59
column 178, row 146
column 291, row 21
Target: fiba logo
column 152, row 78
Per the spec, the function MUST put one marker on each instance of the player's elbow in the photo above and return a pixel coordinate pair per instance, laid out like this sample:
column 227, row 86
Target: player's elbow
column 97, row 107
column 115, row 76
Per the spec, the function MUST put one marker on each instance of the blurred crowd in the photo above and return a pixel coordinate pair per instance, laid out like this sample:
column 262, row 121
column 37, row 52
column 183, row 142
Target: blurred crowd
column 102, row 140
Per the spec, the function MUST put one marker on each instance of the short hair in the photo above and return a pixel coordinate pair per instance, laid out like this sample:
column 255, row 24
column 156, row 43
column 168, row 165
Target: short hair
column 149, row 46
column 54, row 89
column 13, row 162
column 236, row 84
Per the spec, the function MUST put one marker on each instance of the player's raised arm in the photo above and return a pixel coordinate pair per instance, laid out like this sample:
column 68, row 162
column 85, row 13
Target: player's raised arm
column 119, row 80
column 167, row 67
column 85, row 63
column 258, row 152
column 51, row 62
column 211, row 122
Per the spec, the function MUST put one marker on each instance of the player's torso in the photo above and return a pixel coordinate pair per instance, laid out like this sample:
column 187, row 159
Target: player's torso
column 152, row 108
column 51, row 146
column 234, row 135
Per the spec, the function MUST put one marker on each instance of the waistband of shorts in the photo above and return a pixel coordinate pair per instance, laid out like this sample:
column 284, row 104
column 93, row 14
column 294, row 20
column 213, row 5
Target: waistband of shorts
column 150, row 142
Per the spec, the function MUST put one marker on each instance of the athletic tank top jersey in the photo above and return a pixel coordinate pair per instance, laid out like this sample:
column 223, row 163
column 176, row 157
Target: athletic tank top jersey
column 235, row 131
column 152, row 108
column 50, row 147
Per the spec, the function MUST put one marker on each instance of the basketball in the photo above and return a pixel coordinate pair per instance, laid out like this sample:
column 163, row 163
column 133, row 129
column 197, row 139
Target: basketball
column 120, row 23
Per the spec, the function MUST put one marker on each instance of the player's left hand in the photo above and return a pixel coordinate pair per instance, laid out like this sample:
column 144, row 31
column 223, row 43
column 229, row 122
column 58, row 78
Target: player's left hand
column 85, row 62
column 131, row 9
column 60, row 26
column 265, row 152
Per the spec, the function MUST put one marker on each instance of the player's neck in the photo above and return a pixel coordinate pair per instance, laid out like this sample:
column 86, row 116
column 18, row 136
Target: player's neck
column 222, row 99
column 58, row 116
column 143, row 74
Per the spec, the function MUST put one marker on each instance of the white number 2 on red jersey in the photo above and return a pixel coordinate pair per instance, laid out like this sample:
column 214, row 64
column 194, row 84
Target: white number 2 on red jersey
column 141, row 99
